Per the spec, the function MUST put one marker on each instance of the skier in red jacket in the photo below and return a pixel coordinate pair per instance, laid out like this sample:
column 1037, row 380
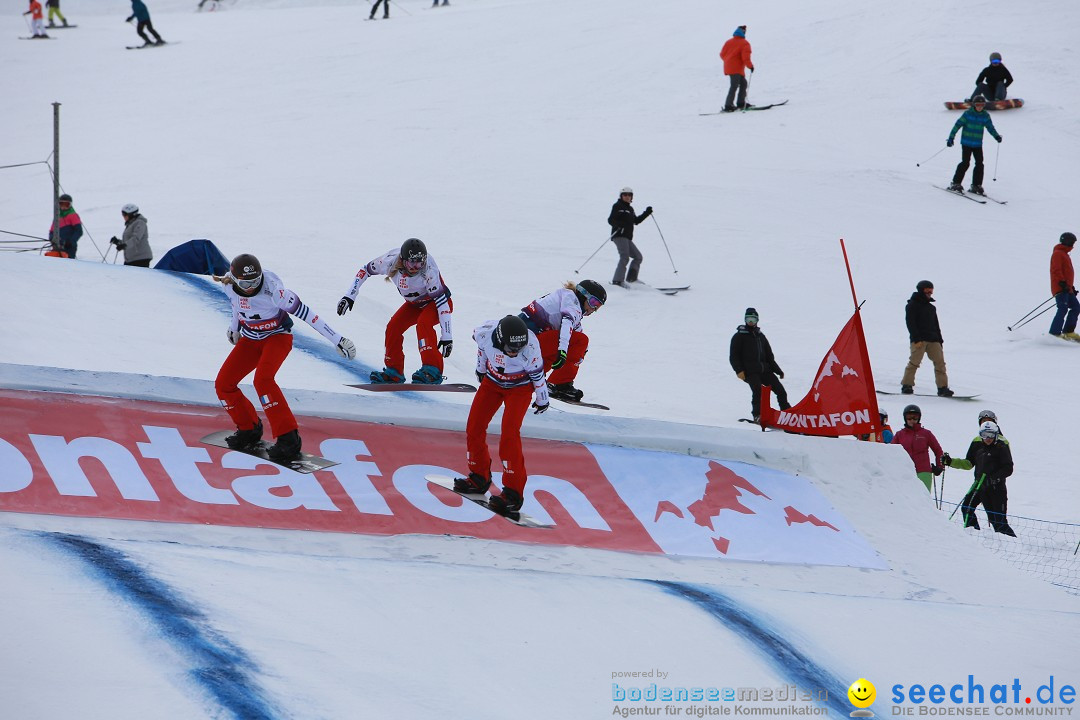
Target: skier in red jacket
column 1061, row 285
column 736, row 57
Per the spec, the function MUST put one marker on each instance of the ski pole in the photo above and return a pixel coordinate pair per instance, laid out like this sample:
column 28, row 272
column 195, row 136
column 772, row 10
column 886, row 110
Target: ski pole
column 941, row 498
column 932, row 156
column 937, row 501
column 746, row 99
column 970, row 493
column 997, row 156
column 1016, row 324
column 1020, row 325
column 592, row 256
column 665, row 243
column 401, row 9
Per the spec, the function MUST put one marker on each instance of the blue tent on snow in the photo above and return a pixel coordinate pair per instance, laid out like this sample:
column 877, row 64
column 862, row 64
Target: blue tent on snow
column 200, row 257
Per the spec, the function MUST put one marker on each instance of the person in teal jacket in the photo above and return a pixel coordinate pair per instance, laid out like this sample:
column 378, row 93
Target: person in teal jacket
column 973, row 122
column 140, row 13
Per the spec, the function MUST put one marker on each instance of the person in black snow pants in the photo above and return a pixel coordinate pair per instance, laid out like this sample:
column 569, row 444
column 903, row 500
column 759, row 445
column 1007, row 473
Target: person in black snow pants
column 139, row 12
column 375, row 8
column 991, row 458
column 753, row 362
column 972, row 122
column 622, row 221
column 994, row 80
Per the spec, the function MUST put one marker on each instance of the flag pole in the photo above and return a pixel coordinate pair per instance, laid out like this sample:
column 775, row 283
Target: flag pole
column 875, row 418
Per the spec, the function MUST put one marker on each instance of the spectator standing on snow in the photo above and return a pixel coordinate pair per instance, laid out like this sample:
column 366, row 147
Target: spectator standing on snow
column 136, row 240
column 973, row 122
column 925, row 335
column 994, row 79
column 990, row 456
column 752, row 359
column 622, row 220
column 70, row 227
column 918, row 441
column 140, row 12
column 37, row 26
column 736, row 57
column 1061, row 285
column 54, row 11
column 884, row 435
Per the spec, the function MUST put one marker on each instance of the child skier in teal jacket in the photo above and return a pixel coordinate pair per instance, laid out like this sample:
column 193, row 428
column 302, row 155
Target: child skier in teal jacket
column 973, row 122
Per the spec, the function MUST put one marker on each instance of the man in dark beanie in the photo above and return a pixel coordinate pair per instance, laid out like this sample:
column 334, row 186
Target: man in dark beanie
column 925, row 335
column 736, row 57
column 753, row 362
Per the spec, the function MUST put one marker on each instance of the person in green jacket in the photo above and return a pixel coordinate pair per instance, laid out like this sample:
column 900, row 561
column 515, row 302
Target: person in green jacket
column 990, row 456
column 973, row 122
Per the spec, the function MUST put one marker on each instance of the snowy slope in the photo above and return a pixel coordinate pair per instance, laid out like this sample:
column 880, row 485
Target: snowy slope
column 499, row 132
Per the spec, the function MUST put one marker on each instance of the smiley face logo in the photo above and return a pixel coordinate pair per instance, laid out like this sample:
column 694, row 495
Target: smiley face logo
column 862, row 693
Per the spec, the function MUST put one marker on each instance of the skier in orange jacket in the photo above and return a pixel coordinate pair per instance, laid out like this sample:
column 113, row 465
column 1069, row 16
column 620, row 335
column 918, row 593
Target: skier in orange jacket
column 736, row 57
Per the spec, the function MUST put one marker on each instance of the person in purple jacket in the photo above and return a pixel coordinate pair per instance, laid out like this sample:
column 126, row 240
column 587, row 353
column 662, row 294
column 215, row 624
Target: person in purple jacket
column 918, row 441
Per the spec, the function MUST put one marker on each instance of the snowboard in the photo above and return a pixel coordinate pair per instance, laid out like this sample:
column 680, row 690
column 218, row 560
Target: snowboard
column 581, row 403
column 37, row 37
column 518, row 518
column 306, row 463
column 957, row 396
column 415, row 387
column 990, row 105
column 754, row 422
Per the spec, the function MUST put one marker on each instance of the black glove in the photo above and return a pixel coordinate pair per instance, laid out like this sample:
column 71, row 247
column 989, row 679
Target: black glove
column 344, row 305
column 998, row 138
column 540, row 408
column 446, row 347
column 648, row 210
column 115, row 240
column 946, row 459
column 780, row 374
column 949, row 142
column 479, row 376
column 935, row 469
column 559, row 361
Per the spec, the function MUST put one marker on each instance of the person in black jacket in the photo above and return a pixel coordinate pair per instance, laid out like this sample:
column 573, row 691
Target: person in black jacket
column 753, row 362
column 991, row 458
column 922, row 325
column 993, row 80
column 622, row 221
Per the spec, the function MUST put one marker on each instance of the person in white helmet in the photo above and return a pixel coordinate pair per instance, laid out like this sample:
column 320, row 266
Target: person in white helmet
column 622, row 221
column 990, row 456
column 136, row 240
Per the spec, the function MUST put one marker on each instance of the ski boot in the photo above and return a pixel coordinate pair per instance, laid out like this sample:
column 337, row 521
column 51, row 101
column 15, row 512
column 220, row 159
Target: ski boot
column 565, row 391
column 286, row 448
column 976, row 190
column 475, row 484
column 956, row 187
column 245, row 439
column 509, row 502
column 945, row 392
column 428, row 375
column 907, row 390
column 387, row 375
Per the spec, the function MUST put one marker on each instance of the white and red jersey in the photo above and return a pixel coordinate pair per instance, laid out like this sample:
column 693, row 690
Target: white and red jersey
column 560, row 310
column 267, row 312
column 420, row 289
column 507, row 371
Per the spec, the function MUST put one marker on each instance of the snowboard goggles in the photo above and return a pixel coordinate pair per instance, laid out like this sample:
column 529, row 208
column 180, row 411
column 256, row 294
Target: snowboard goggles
column 247, row 284
column 594, row 302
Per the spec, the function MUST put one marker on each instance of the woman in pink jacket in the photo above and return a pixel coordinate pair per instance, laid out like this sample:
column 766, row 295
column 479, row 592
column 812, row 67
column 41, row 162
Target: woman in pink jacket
column 918, row 441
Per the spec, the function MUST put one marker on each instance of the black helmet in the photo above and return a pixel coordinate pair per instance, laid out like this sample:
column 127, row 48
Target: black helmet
column 883, row 415
column 414, row 249
column 64, row 198
column 246, row 271
column 924, row 284
column 995, row 56
column 978, row 99
column 592, row 294
column 1067, row 238
column 510, row 334
column 912, row 410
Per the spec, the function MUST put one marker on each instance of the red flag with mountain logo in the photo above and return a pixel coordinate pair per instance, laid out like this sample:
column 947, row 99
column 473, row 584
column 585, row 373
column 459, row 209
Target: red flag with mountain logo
column 842, row 400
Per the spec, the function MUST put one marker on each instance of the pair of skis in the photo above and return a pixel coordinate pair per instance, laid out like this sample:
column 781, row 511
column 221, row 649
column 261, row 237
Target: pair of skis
column 974, row 197
column 748, row 108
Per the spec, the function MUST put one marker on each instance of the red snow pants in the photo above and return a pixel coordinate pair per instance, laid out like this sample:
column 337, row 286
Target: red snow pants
column 426, row 319
column 264, row 357
column 515, row 403
column 575, row 354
